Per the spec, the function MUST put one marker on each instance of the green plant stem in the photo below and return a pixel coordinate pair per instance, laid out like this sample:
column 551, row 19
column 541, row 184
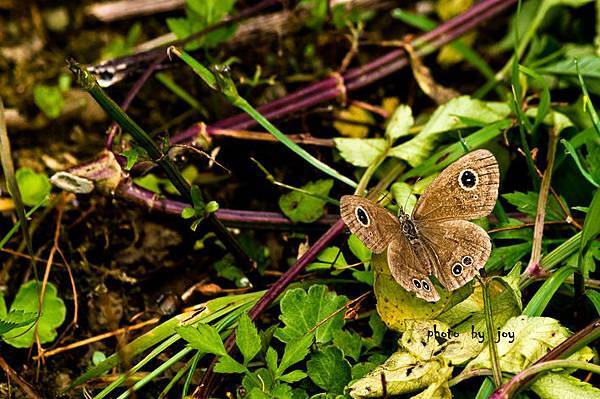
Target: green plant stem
column 469, row 374
column 489, row 324
column 366, row 177
column 271, row 178
column 181, row 93
column 11, row 182
column 587, row 102
column 87, row 81
column 228, row 89
column 16, row 226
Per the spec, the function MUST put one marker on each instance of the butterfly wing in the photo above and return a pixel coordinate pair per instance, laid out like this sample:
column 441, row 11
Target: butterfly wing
column 460, row 249
column 371, row 223
column 410, row 265
column 467, row 189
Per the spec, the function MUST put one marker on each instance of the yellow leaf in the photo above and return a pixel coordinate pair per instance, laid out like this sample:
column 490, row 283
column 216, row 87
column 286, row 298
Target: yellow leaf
column 353, row 122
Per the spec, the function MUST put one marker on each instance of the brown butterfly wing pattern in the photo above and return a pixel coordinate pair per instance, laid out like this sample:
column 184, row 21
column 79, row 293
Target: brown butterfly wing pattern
column 371, row 223
column 460, row 249
column 439, row 240
column 410, row 266
column 467, row 189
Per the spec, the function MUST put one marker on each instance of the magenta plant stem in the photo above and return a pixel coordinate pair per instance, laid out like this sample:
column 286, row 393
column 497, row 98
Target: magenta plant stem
column 205, row 387
column 228, row 216
column 332, row 87
column 569, row 346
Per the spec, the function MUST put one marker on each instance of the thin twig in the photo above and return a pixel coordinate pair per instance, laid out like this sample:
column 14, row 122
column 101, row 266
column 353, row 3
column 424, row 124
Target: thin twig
column 99, row 337
column 533, row 268
column 12, row 374
column 60, row 209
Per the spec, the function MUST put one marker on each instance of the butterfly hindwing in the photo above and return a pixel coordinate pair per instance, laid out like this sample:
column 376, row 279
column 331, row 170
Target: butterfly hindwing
column 467, row 189
column 371, row 223
column 410, row 266
column 461, row 248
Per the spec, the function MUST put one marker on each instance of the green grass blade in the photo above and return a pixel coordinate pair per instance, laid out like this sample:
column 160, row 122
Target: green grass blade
column 181, row 93
column 445, row 157
column 560, row 253
column 542, row 297
column 245, row 106
column 16, row 226
column 594, row 297
column 573, row 153
column 587, row 102
column 591, row 229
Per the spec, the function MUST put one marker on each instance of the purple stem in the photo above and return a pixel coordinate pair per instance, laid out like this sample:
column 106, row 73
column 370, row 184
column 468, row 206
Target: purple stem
column 227, row 216
column 330, row 88
column 588, row 334
column 208, row 380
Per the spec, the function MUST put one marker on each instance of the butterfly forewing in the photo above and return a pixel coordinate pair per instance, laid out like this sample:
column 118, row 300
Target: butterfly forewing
column 467, row 189
column 371, row 223
column 461, row 248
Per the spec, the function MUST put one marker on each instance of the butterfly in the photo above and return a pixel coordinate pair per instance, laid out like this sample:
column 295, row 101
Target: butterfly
column 437, row 239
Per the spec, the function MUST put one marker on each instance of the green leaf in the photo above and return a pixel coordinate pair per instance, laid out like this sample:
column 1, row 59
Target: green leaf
column 53, row 314
column 349, row 342
column 15, row 319
column 98, row 357
column 361, row 369
column 329, row 370
column 561, row 386
column 399, row 124
column 404, row 196
column 200, row 15
column 227, row 269
column 503, row 258
column 132, row 156
column 300, row 207
column 532, row 338
column 49, row 100
column 359, row 249
column 34, row 187
column 360, row 152
column 293, row 376
column 569, row 149
column 211, row 207
column 247, row 338
column 188, row 213
column 444, row 119
column 203, row 337
column 589, row 67
column 403, row 373
column 295, row 352
column 227, row 364
column 591, row 229
column 302, row 311
column 150, row 182
column 527, row 203
column 271, row 360
column 594, row 297
column 328, row 258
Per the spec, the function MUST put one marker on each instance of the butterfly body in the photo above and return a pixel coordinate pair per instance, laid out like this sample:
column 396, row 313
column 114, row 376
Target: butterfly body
column 437, row 238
